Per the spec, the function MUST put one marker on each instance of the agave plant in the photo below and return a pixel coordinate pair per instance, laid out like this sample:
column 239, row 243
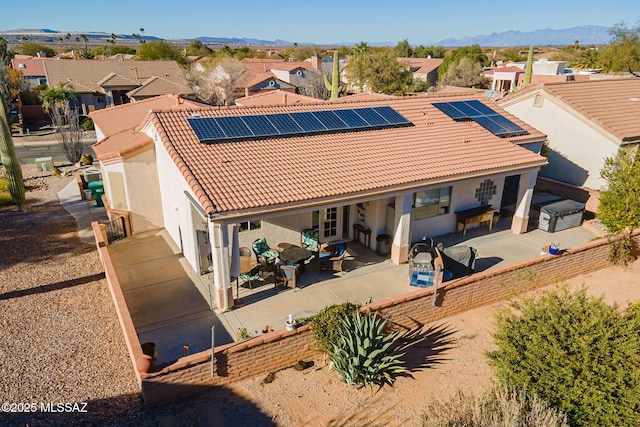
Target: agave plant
column 363, row 356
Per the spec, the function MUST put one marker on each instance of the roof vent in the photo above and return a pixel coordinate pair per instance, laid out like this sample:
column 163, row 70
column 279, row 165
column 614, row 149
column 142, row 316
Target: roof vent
column 195, row 115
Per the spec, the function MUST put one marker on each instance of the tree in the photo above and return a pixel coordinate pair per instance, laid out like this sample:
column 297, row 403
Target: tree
column 619, row 206
column 588, row 59
column 464, row 74
column 474, row 53
column 314, row 86
column 32, row 49
column 403, row 49
column 623, row 53
column 159, row 51
column 576, row 353
column 197, row 48
column 215, row 82
column 58, row 100
column 10, row 161
column 56, row 96
column 379, row 70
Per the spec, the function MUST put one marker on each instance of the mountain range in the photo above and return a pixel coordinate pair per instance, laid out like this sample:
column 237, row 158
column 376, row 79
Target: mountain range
column 586, row 35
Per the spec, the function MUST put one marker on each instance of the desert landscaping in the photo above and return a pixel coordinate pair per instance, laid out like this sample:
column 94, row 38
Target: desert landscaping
column 62, row 343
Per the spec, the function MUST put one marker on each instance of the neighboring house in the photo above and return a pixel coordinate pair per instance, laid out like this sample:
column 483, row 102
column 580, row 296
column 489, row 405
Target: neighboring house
column 406, row 178
column 510, row 77
column 259, row 82
column 125, row 158
column 585, row 122
column 100, row 84
column 295, row 74
column 423, row 69
column 275, row 97
column 32, row 69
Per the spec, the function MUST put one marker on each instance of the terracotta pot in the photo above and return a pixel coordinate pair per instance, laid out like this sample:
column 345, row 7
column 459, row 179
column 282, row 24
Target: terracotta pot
column 144, row 363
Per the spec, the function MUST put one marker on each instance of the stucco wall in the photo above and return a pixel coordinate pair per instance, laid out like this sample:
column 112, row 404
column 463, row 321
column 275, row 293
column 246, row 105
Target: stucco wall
column 578, row 149
column 143, row 191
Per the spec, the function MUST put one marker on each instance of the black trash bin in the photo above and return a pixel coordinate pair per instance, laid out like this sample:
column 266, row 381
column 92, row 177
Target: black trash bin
column 383, row 244
column 97, row 190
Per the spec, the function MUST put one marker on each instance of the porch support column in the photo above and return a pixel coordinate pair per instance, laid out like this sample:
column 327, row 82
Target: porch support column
column 402, row 238
column 222, row 290
column 521, row 216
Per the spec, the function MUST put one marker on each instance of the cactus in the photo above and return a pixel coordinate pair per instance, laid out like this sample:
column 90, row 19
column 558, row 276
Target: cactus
column 529, row 68
column 334, row 85
column 13, row 171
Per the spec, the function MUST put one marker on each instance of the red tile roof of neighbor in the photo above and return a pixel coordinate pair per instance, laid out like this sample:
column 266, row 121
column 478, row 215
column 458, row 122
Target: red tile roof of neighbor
column 30, row 67
column 612, row 104
column 284, row 173
column 114, row 120
column 422, row 65
column 275, row 97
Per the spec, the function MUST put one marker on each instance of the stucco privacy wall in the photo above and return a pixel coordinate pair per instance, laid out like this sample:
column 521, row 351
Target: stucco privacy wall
column 281, row 349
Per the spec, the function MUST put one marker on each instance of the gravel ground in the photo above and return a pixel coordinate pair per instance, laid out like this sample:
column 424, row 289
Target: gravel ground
column 60, row 341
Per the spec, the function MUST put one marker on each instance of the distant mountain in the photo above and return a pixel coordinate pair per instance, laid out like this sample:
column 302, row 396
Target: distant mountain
column 587, row 34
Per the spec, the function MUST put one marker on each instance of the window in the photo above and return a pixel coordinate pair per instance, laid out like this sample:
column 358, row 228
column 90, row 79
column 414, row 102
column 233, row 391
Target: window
column 431, row 202
column 250, row 225
column 330, row 222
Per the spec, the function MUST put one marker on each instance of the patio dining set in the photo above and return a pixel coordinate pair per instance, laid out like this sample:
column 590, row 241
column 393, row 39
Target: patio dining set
column 288, row 261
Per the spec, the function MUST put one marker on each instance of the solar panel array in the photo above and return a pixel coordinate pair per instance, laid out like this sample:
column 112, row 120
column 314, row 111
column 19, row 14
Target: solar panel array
column 233, row 128
column 481, row 114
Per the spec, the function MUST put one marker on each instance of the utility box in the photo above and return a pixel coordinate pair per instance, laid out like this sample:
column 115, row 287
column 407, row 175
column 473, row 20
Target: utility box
column 92, row 174
column 561, row 215
column 44, row 163
column 383, row 244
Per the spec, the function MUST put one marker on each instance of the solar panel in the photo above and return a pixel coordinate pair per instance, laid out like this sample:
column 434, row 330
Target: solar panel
column 260, row 126
column 233, row 127
column 206, row 130
column 210, row 129
column 351, row 119
column 308, row 122
column 371, row 117
column 284, row 124
column 450, row 110
column 392, row 116
column 330, row 120
column 481, row 114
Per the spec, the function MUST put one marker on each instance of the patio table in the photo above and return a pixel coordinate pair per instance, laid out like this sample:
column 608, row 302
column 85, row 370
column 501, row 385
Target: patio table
column 296, row 255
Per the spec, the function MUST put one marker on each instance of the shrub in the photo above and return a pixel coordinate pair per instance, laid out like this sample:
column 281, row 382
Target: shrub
column 87, row 124
column 5, row 195
column 326, row 326
column 498, row 407
column 621, row 251
column 576, row 353
column 363, row 356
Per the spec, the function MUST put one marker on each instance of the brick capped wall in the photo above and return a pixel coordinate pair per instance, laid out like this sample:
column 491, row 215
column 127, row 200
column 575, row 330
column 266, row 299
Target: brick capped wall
column 281, row 349
column 591, row 198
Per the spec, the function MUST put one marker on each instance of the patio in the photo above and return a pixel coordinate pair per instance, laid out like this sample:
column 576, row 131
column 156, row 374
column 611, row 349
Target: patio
column 168, row 309
column 370, row 277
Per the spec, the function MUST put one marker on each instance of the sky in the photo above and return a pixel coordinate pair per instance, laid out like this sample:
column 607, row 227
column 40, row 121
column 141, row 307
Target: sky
column 315, row 21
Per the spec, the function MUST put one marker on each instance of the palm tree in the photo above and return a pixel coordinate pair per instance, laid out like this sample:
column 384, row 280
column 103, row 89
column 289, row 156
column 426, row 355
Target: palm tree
column 84, row 39
column 57, row 96
column 589, row 59
column 361, row 47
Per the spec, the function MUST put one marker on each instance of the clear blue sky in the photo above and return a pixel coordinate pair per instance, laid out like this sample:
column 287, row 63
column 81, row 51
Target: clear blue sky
column 315, row 21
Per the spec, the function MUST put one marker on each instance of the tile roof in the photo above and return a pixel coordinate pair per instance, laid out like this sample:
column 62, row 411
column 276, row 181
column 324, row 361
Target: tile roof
column 422, row 65
column 113, row 120
column 30, row 67
column 282, row 173
column 456, row 90
column 85, row 75
column 155, row 86
column 120, row 144
column 612, row 104
column 275, row 97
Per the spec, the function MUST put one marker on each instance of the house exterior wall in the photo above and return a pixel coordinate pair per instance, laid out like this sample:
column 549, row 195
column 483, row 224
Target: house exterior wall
column 175, row 204
column 143, row 191
column 577, row 148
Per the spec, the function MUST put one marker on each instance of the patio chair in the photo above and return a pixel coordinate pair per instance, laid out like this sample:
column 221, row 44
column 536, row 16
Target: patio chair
column 334, row 261
column 253, row 275
column 244, row 251
column 310, row 240
column 264, row 254
column 286, row 275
